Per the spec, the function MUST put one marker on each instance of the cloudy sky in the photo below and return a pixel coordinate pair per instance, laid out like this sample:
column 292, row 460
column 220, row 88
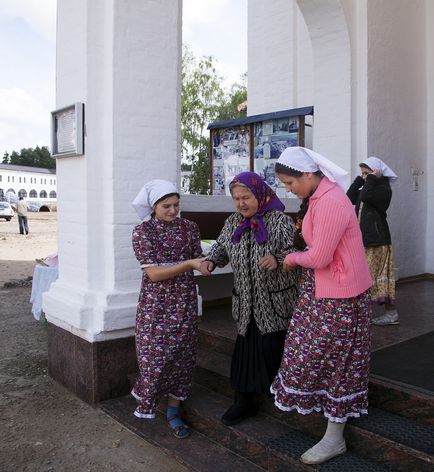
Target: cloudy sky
column 27, row 59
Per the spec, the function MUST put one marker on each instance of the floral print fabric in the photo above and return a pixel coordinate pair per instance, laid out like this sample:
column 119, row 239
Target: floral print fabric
column 167, row 320
column 325, row 364
column 380, row 262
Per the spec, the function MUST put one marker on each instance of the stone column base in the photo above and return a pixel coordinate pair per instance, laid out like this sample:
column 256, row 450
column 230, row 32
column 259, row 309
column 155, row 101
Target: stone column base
column 94, row 371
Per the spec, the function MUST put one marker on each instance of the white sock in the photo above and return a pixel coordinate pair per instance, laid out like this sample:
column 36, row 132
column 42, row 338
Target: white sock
column 331, row 444
column 334, row 434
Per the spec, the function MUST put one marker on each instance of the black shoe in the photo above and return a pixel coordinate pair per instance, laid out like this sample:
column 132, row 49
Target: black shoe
column 243, row 408
column 237, row 413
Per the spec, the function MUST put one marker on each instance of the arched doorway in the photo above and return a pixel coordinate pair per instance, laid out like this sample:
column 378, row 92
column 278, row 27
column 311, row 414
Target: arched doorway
column 331, row 50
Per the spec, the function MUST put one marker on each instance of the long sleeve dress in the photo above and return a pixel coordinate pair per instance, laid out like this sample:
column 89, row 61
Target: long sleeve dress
column 262, row 301
column 325, row 364
column 167, row 318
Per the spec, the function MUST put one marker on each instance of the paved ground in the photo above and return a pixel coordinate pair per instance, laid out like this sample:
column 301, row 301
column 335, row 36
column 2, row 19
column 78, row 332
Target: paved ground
column 43, row 427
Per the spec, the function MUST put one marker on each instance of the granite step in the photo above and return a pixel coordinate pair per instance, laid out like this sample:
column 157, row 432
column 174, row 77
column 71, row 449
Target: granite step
column 197, row 452
column 388, row 395
column 400, row 442
column 264, row 440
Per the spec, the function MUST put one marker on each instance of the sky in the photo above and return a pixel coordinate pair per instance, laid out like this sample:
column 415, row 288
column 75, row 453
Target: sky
column 215, row 28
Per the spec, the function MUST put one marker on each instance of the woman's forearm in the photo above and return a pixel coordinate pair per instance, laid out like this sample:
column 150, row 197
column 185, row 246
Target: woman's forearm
column 159, row 273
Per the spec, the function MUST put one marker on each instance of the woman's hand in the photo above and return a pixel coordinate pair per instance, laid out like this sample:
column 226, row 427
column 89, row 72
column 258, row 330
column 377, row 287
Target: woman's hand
column 206, row 267
column 268, row 263
column 288, row 268
column 196, row 264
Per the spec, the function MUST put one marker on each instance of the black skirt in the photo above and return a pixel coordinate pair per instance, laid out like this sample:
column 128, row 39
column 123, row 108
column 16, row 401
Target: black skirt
column 256, row 359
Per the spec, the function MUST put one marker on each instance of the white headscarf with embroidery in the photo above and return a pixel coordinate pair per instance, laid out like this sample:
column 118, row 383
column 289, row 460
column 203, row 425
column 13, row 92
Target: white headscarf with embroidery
column 306, row 160
column 150, row 193
column 374, row 163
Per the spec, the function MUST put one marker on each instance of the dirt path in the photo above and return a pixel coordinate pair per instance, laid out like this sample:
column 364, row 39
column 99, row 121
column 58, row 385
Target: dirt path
column 44, row 427
column 18, row 252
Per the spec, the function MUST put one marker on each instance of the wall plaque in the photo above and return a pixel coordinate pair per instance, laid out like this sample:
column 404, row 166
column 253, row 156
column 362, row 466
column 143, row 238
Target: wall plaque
column 67, row 131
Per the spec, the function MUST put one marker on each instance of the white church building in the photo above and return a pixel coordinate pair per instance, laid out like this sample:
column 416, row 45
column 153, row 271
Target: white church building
column 367, row 68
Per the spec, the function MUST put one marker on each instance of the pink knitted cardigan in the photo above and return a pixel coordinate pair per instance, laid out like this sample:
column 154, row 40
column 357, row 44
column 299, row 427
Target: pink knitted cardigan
column 335, row 246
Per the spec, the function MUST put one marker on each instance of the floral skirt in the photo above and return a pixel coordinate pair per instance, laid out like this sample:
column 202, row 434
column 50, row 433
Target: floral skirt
column 325, row 363
column 166, row 345
column 380, row 261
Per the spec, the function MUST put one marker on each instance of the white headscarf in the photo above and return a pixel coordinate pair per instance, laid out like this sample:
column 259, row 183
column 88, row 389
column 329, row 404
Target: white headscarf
column 306, row 160
column 375, row 163
column 150, row 193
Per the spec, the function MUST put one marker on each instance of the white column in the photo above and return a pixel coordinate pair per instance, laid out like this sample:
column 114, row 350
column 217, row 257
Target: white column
column 122, row 59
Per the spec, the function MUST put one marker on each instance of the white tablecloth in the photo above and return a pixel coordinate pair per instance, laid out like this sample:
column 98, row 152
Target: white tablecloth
column 43, row 277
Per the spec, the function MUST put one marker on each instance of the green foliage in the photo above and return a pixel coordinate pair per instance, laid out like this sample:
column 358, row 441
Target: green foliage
column 37, row 157
column 235, row 103
column 204, row 101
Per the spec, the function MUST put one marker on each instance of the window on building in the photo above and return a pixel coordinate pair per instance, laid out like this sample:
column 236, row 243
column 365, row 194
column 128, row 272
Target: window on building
column 22, row 193
column 13, row 179
column 53, row 194
column 19, row 179
column 41, row 181
column 1, row 177
column 42, row 194
column 24, row 179
column 33, row 194
column 9, row 178
column 2, row 194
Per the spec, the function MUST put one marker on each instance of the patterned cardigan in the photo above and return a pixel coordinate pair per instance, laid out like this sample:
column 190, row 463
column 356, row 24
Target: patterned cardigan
column 268, row 296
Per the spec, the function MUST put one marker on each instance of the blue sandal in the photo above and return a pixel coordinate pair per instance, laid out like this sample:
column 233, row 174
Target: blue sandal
column 180, row 431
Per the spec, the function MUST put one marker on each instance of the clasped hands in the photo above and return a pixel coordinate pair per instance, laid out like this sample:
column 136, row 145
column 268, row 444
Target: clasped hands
column 267, row 262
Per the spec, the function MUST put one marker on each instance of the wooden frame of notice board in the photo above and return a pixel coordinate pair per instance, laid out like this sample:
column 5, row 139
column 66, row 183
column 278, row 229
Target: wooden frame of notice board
column 254, row 143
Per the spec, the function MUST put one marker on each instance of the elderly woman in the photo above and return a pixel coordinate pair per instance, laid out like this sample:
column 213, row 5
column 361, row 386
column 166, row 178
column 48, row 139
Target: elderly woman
column 255, row 240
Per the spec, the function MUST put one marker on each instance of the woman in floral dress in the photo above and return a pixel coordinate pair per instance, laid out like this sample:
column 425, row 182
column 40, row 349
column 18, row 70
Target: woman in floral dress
column 167, row 248
column 325, row 364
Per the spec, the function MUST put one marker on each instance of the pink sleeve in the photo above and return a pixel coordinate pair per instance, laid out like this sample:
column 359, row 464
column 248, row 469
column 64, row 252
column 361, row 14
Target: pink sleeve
column 329, row 222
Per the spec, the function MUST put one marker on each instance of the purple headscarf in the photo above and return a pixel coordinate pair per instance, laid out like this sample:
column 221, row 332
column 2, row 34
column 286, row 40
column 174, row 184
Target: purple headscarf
column 267, row 201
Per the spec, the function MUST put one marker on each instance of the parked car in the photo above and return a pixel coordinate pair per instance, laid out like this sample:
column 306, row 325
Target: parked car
column 6, row 211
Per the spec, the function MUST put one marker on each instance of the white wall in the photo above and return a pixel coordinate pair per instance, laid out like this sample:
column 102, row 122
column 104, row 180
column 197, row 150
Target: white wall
column 122, row 59
column 397, row 111
column 428, row 178
column 371, row 77
column 299, row 54
column 280, row 70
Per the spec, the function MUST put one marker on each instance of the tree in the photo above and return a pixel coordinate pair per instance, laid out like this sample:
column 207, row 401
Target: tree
column 37, row 157
column 201, row 97
column 235, row 103
column 204, row 101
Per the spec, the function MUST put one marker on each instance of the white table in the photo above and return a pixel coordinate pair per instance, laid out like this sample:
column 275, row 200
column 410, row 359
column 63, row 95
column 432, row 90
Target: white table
column 43, row 277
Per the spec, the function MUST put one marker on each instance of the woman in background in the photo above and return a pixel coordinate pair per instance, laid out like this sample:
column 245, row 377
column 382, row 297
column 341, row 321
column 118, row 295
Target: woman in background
column 371, row 193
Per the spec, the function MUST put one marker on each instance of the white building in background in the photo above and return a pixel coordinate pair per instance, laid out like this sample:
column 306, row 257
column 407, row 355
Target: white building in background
column 35, row 184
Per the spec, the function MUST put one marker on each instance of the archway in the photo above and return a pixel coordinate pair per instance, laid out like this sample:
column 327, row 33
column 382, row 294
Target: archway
column 331, row 48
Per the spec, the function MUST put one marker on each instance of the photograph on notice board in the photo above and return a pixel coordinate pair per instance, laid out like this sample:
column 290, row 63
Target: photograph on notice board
column 231, row 155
